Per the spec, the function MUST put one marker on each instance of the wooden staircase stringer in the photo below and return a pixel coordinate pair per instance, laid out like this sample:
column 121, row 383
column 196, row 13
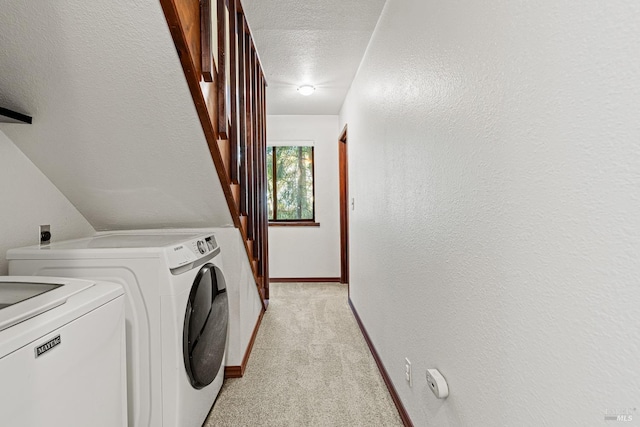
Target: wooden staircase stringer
column 183, row 18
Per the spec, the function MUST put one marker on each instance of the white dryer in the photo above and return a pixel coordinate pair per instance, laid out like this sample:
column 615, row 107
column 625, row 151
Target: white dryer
column 176, row 314
column 62, row 353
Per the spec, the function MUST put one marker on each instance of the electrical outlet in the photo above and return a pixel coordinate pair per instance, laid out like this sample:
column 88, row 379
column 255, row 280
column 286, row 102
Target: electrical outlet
column 407, row 372
column 45, row 234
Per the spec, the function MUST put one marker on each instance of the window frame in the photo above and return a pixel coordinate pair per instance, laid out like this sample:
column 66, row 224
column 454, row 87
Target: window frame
column 292, row 222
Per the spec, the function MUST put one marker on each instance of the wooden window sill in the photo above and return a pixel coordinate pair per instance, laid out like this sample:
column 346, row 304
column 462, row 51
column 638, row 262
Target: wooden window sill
column 293, row 224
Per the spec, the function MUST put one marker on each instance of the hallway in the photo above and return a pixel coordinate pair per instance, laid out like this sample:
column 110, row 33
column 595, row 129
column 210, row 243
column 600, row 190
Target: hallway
column 310, row 366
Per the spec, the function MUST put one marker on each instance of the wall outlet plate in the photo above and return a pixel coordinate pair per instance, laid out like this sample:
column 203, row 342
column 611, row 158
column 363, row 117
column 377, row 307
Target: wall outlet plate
column 45, row 234
column 437, row 383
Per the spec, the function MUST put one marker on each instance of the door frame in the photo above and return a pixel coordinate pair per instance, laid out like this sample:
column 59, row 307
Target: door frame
column 343, row 167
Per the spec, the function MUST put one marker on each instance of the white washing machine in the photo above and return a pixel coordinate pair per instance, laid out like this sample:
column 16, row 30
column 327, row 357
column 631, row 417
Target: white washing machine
column 62, row 353
column 176, row 314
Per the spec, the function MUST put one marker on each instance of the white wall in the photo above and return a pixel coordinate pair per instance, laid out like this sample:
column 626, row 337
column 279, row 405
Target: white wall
column 310, row 251
column 28, row 199
column 495, row 164
column 114, row 124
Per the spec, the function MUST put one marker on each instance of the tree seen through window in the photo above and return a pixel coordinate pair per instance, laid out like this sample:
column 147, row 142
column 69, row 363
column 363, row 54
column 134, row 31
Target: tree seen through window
column 290, row 183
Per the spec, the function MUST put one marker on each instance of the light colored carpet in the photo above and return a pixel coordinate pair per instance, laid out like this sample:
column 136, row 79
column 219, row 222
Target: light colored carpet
column 310, row 366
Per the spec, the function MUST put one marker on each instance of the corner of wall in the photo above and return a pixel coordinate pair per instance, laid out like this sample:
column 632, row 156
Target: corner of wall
column 29, row 199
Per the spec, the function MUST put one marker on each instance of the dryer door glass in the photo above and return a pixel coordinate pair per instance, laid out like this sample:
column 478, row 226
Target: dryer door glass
column 205, row 327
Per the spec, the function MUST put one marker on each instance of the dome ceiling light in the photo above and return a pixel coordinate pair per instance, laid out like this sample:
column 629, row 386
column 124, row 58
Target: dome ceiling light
column 306, row 90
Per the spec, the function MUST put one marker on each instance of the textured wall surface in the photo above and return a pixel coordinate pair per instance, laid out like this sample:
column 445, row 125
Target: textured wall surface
column 495, row 164
column 114, row 124
column 27, row 200
column 310, row 251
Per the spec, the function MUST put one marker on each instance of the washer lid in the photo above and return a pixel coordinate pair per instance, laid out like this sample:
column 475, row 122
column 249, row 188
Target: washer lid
column 22, row 298
column 138, row 240
column 180, row 248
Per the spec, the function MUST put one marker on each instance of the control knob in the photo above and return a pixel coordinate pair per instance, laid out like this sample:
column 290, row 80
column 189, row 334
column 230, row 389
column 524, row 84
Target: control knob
column 202, row 247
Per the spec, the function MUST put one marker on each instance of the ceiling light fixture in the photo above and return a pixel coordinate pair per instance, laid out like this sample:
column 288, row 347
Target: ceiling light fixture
column 306, row 90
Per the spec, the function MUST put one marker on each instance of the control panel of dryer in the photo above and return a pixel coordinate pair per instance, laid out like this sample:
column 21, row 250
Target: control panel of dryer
column 191, row 251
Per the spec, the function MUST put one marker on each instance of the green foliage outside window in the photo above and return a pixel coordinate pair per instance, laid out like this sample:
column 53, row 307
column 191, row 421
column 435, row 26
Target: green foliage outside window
column 290, row 183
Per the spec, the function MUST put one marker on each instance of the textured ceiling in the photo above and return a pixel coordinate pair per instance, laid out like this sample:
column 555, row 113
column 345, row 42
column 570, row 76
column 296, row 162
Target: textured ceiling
column 310, row 42
column 114, row 126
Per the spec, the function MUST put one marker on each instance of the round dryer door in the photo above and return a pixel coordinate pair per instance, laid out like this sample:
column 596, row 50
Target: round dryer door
column 205, row 327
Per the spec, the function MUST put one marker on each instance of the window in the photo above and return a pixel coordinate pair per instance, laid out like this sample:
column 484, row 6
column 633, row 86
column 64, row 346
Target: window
column 290, row 184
